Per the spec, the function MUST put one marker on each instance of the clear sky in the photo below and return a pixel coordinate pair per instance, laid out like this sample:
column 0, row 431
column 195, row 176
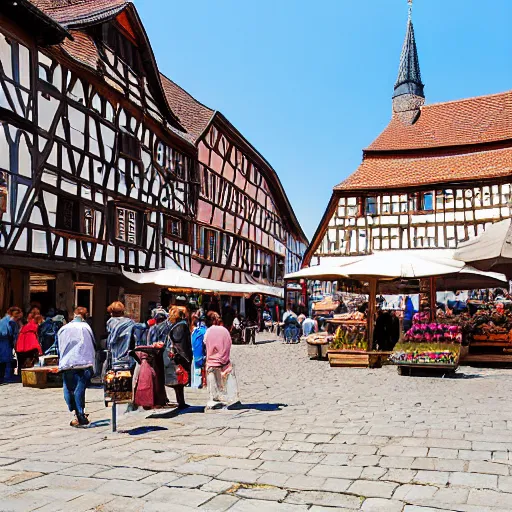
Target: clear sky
column 309, row 82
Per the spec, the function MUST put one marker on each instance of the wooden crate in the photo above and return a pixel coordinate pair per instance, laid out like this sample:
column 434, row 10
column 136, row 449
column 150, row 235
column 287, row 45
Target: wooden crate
column 357, row 358
column 491, row 337
column 41, row 377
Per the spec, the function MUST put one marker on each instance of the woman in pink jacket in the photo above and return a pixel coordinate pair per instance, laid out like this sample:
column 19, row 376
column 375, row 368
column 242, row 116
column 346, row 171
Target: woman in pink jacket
column 221, row 379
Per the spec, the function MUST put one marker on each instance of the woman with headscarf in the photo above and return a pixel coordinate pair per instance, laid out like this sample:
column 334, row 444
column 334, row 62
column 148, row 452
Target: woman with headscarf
column 9, row 329
column 28, row 348
column 221, row 380
column 178, row 354
column 149, row 376
column 119, row 340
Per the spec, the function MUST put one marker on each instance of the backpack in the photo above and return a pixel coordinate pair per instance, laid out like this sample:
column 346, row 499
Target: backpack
column 47, row 333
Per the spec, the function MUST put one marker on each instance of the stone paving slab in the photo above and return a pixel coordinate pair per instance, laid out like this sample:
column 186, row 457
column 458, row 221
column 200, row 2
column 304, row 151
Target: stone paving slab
column 307, row 438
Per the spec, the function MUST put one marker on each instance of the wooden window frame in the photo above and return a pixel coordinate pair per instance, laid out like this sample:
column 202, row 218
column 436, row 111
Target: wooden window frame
column 182, row 236
column 138, row 226
column 79, row 224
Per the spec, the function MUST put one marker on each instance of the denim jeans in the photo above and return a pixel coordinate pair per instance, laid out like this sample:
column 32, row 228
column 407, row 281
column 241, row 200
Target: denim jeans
column 75, row 384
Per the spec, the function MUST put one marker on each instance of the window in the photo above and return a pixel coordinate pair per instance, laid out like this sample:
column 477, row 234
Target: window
column 210, row 244
column 129, row 145
column 370, row 207
column 68, row 215
column 174, row 227
column 83, row 296
column 126, row 225
column 76, row 217
column 160, row 154
column 427, row 201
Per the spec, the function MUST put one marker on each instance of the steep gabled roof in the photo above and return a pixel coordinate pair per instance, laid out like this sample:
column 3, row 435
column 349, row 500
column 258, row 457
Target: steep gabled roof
column 46, row 30
column 477, row 120
column 196, row 118
column 73, row 12
column 193, row 115
column 392, row 171
column 81, row 14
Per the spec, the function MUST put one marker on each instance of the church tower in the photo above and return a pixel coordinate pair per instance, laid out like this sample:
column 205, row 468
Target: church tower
column 409, row 95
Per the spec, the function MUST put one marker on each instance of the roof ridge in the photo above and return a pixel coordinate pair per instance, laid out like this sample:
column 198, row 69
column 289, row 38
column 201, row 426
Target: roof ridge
column 186, row 92
column 471, row 98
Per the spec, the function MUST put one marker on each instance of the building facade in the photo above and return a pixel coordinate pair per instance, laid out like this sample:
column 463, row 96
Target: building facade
column 436, row 176
column 245, row 230
column 98, row 173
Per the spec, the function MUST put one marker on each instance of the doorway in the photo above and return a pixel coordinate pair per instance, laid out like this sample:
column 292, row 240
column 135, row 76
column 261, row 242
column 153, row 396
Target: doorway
column 42, row 291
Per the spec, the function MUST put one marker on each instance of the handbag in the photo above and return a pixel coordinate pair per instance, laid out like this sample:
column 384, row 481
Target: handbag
column 181, row 375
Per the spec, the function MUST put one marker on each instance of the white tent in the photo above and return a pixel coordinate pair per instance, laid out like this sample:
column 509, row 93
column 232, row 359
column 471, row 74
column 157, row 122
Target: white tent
column 490, row 250
column 182, row 281
column 407, row 264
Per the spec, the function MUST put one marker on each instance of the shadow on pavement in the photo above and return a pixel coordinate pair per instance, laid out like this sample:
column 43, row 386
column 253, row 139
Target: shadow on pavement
column 195, row 409
column 99, row 423
column 139, row 431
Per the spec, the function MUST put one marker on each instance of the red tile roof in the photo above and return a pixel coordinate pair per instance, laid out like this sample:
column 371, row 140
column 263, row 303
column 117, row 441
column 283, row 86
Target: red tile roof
column 455, row 123
column 65, row 11
column 392, row 171
column 82, row 48
column 194, row 116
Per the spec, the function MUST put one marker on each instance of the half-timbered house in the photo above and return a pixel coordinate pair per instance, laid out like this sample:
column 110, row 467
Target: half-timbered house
column 99, row 168
column 245, row 230
column 96, row 171
column 437, row 175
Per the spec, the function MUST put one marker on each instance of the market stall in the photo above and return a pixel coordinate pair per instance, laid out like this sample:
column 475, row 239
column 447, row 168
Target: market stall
column 382, row 269
column 429, row 345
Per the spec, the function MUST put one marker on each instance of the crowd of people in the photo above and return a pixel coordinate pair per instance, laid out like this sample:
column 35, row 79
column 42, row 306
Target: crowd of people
column 28, row 336
column 173, row 348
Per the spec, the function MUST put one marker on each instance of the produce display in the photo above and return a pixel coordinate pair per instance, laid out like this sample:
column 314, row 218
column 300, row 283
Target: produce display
column 429, row 344
column 434, row 332
column 350, row 337
column 490, row 323
column 351, row 316
column 426, row 353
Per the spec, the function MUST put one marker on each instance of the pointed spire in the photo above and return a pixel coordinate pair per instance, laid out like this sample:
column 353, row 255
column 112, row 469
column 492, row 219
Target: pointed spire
column 409, row 95
column 409, row 74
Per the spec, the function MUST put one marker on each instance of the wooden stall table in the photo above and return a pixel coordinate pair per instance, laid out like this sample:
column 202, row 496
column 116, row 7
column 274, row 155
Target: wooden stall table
column 357, row 358
column 41, row 377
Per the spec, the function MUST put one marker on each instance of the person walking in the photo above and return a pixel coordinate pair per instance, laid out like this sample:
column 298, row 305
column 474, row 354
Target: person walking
column 221, row 379
column 198, row 353
column 28, row 349
column 178, row 355
column 9, row 328
column 408, row 313
column 77, row 349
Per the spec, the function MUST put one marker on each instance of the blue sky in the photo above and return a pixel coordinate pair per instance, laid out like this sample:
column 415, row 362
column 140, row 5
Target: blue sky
column 310, row 83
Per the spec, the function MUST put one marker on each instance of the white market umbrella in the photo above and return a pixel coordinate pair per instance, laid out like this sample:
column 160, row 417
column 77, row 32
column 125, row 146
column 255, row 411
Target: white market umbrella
column 320, row 273
column 490, row 250
column 182, row 281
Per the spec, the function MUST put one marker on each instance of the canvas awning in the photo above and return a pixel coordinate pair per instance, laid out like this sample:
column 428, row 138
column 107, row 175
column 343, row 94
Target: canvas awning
column 490, row 250
column 406, row 264
column 178, row 280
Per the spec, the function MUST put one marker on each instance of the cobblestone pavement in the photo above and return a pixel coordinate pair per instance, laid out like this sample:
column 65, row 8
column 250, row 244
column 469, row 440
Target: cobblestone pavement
column 307, row 438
